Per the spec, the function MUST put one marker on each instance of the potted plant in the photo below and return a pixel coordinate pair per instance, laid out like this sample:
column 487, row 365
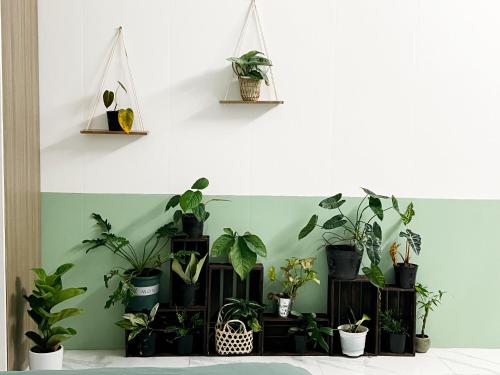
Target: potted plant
column 396, row 328
column 345, row 246
column 427, row 301
column 353, row 336
column 406, row 272
column 139, row 282
column 242, row 250
column 250, row 68
column 237, row 321
column 189, row 275
column 118, row 120
column 192, row 213
column 308, row 331
column 47, row 353
column 294, row 274
column 141, row 335
column 184, row 331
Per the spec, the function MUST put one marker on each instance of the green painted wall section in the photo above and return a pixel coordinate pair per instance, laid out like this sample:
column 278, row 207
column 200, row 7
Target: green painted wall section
column 458, row 254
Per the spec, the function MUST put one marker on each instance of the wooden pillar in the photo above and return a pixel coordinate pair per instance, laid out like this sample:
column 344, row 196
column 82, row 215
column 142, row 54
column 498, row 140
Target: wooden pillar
column 21, row 166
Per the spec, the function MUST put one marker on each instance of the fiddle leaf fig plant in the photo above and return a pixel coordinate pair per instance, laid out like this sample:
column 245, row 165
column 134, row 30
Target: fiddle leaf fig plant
column 251, row 65
column 241, row 249
column 48, row 293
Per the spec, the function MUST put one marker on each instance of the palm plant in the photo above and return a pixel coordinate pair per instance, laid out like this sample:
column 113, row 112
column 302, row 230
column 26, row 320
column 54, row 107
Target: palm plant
column 249, row 65
column 427, row 301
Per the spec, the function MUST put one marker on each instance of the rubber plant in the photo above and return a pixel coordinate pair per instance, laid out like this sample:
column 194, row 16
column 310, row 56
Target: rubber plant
column 363, row 231
column 49, row 293
column 140, row 263
column 242, row 250
column 251, row 65
column 125, row 115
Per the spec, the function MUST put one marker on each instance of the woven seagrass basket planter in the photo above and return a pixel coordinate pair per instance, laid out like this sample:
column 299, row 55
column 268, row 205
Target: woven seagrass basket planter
column 232, row 337
column 249, row 89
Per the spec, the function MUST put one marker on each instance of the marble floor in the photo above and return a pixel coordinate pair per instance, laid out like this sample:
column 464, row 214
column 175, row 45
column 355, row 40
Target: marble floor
column 436, row 362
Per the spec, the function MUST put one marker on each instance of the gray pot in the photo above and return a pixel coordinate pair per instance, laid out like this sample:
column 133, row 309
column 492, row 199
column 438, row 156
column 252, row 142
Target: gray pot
column 422, row 343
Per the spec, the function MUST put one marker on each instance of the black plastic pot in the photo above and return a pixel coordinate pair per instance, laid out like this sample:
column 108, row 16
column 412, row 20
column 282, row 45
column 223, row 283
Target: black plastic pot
column 187, row 294
column 147, row 292
column 300, row 342
column 144, row 345
column 343, row 261
column 406, row 275
column 113, row 124
column 397, row 342
column 185, row 345
column 191, row 226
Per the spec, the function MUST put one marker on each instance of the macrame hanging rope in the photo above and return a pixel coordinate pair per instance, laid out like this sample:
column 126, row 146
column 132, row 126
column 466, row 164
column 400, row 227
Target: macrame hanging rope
column 252, row 10
column 119, row 38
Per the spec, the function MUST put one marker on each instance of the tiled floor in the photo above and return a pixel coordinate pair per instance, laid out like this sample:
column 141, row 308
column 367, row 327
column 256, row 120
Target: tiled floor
column 436, row 362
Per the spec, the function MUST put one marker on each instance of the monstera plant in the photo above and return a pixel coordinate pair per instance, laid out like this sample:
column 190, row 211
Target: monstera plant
column 49, row 293
column 118, row 119
column 347, row 238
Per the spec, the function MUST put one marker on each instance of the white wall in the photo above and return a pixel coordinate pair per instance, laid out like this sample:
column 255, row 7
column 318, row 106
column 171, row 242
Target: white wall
column 400, row 95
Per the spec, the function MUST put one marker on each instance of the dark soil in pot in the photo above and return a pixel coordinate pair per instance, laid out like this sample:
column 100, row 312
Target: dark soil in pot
column 406, row 275
column 147, row 291
column 343, row 261
column 143, row 345
column 300, row 343
column 185, row 345
column 187, row 295
column 113, row 124
column 191, row 226
column 397, row 342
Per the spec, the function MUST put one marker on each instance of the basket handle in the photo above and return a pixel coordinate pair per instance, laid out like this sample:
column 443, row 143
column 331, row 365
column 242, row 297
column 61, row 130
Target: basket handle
column 236, row 321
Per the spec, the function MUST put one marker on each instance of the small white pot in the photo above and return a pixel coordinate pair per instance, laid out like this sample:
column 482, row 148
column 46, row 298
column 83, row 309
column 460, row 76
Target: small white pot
column 353, row 344
column 284, row 307
column 46, row 361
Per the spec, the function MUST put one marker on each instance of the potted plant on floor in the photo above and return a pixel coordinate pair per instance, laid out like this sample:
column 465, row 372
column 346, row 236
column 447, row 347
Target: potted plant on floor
column 427, row 301
column 308, row 331
column 251, row 69
column 237, row 321
column 118, row 120
column 189, row 275
column 139, row 282
column 141, row 335
column 294, row 274
column 353, row 336
column 47, row 353
column 242, row 250
column 396, row 328
column 192, row 213
column 352, row 237
column 406, row 272
column 184, row 331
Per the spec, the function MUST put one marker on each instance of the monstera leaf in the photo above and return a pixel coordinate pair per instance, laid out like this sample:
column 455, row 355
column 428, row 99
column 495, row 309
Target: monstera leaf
column 126, row 119
column 413, row 239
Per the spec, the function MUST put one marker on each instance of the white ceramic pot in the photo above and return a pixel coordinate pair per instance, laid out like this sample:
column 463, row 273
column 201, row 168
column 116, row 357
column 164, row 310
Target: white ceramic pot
column 46, row 361
column 284, row 307
column 353, row 344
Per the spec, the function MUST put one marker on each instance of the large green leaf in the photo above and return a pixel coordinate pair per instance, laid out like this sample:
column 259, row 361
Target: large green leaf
column 177, row 216
column 335, row 222
column 408, row 215
column 36, row 338
column 126, row 119
column 377, row 231
column 199, row 267
column 414, row 240
column 222, row 245
column 172, row 202
column 63, row 314
column 309, row 226
column 66, row 294
column 372, row 246
column 40, row 272
column 200, row 184
column 255, row 244
column 375, row 275
column 200, row 213
column 108, row 97
column 372, row 194
column 332, row 202
column 242, row 258
column 61, row 270
column 177, row 268
column 376, row 206
column 190, row 199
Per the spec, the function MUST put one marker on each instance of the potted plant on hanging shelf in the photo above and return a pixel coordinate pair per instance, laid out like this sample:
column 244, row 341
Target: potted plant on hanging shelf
column 406, row 272
column 427, row 301
column 352, row 237
column 307, row 331
column 139, row 282
column 189, row 275
column 251, row 70
column 294, row 274
column 118, row 119
column 242, row 250
column 141, row 335
column 396, row 328
column 184, row 331
column 192, row 213
column 353, row 336
column 47, row 354
column 237, row 321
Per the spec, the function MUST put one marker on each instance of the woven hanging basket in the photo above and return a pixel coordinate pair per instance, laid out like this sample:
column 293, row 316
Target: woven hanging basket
column 250, row 89
column 230, row 340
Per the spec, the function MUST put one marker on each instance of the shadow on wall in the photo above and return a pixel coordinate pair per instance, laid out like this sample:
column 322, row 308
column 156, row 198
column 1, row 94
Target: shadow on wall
column 17, row 328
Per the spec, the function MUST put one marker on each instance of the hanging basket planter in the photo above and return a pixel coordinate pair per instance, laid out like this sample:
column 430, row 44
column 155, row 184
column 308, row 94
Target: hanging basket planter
column 232, row 337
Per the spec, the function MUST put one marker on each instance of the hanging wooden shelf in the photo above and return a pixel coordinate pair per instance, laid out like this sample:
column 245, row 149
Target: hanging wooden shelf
column 110, row 132
column 269, row 102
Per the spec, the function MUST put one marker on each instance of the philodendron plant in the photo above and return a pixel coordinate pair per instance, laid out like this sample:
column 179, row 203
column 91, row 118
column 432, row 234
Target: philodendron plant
column 363, row 231
column 125, row 115
column 242, row 250
column 138, row 323
column 48, row 293
column 251, row 65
